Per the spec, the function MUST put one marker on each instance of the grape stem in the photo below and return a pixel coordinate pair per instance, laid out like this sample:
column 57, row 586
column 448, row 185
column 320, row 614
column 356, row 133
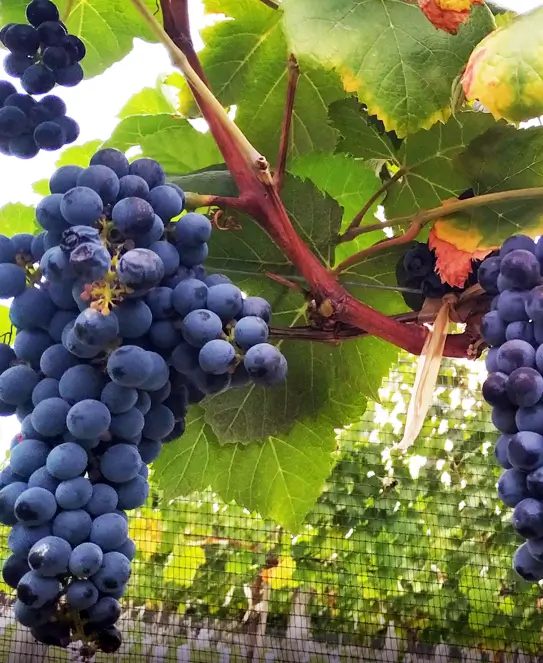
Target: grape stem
column 260, row 199
column 293, row 76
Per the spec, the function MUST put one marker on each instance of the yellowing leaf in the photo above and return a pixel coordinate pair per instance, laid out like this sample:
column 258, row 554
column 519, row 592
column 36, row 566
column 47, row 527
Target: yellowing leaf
column 183, row 563
column 147, row 534
column 505, row 71
column 280, row 576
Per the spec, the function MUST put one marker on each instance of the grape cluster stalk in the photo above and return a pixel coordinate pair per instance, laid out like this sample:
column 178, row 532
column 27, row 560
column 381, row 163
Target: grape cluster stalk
column 42, row 54
column 119, row 330
column 513, row 329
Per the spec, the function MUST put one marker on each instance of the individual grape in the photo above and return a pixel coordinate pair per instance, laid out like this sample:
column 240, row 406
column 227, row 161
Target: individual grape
column 129, row 366
column 55, row 266
column 113, row 159
column 62, row 180
column 113, row 574
column 49, row 417
column 217, row 357
column 133, row 216
column 15, row 64
column 149, row 170
column 110, row 640
column 104, row 613
column 527, row 518
column 39, row 11
column 164, row 335
column 526, row 566
column 85, row 560
column 46, row 388
column 48, row 213
column 166, row 202
column 530, row 418
column 81, row 206
column 132, row 186
column 535, row 548
column 512, row 305
column 266, row 365
column 35, row 506
column 67, row 460
column 21, row 538
column 120, row 462
column 42, row 479
column 144, row 402
column 101, row 179
column 160, row 395
column 216, row 279
column 168, row 254
column 51, row 239
column 14, row 569
column 55, row 107
column 109, row 531
column 69, row 76
column 13, row 122
column 23, row 243
column 539, row 357
column 30, row 344
column 160, row 302
column 93, row 328
column 525, row 387
column 189, row 295
column 81, row 594
column 185, row 358
column 37, row 247
column 55, row 361
column 74, row 526
column 70, row 128
column 8, row 497
column 159, row 374
column 495, row 390
column 32, row 617
column 6, row 90
column 134, row 317
column 118, row 399
column 55, row 57
column 159, row 422
column 140, row 269
column 91, row 262
column 521, row 331
column 525, row 450
column 134, row 493
column 201, row 326
column 192, row 255
column 127, row 424
column 88, row 419
column 28, row 456
column 38, row 79
column 50, row 556
column 49, row 136
column 35, row 591
column 258, row 307
column 192, row 229
column 73, row 493
column 534, row 482
column 104, row 500
column 22, row 39
column 17, row 384
column 512, row 487
column 128, row 549
column 515, row 354
column 154, row 235
column 517, row 242
column 492, row 328
column 62, row 297
column 55, row 634
column 23, row 147
column 250, row 331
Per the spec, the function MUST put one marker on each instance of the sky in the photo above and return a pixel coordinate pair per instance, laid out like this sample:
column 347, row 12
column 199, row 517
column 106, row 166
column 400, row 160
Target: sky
column 97, row 118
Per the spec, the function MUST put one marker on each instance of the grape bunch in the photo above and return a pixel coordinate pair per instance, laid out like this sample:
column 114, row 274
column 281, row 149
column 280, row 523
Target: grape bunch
column 416, row 270
column 513, row 329
column 119, row 329
column 41, row 54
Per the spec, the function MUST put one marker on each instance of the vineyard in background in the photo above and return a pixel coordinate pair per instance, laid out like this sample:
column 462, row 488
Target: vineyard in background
column 421, row 543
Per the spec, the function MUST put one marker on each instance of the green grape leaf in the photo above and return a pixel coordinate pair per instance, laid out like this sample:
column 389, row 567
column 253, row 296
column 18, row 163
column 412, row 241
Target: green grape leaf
column 169, row 139
column 78, row 155
column 107, row 27
column 18, row 218
column 214, row 181
column 245, row 60
column 149, row 101
column 399, row 65
column 280, row 478
column 41, row 187
column 183, row 563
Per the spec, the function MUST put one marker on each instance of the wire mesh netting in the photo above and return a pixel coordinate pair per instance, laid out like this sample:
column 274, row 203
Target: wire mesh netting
column 403, row 557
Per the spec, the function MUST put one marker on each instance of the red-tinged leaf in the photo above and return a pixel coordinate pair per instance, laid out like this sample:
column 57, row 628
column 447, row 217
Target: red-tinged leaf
column 448, row 15
column 455, row 249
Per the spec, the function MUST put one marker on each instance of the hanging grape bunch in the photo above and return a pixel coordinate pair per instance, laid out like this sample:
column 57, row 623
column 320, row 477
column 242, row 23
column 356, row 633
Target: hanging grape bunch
column 514, row 388
column 119, row 330
column 41, row 54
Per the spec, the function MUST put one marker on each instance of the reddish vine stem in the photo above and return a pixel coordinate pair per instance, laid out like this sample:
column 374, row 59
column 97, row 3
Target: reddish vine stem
column 251, row 173
column 293, row 76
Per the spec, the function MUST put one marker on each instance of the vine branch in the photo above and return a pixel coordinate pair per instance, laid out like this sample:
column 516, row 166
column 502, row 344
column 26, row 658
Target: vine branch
column 293, row 76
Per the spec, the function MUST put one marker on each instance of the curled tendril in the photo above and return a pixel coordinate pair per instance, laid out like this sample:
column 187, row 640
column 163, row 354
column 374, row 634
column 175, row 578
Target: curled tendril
column 226, row 223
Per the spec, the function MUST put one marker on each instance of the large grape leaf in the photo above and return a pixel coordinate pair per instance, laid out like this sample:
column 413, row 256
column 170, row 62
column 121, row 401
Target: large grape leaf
column 399, row 65
column 167, row 138
column 107, row 27
column 426, row 157
column 17, row 218
column 245, row 60
column 280, row 478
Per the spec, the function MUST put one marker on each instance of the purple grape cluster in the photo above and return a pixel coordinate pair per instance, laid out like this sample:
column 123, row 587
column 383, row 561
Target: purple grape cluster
column 119, row 329
column 513, row 329
column 41, row 55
